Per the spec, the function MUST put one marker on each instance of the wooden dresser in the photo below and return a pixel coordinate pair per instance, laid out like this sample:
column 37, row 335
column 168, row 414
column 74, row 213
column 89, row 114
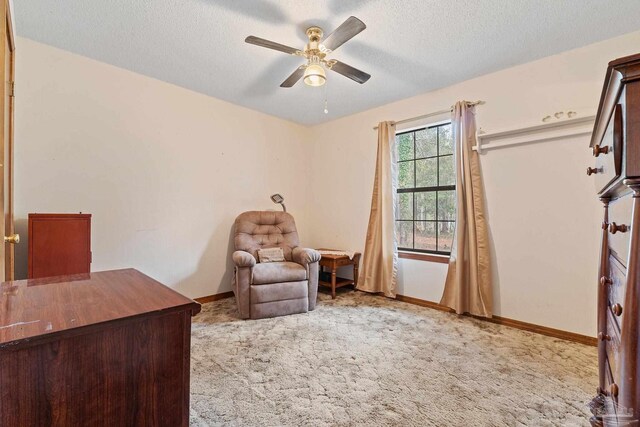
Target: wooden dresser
column 59, row 244
column 100, row 349
column 616, row 171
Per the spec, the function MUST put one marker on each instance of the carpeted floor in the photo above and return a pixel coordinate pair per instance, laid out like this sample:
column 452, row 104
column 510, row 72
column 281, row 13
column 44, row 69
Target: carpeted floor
column 363, row 360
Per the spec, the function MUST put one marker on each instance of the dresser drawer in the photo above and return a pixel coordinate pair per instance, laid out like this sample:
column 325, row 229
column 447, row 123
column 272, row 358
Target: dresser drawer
column 609, row 418
column 617, row 286
column 613, row 345
column 620, row 211
column 608, row 153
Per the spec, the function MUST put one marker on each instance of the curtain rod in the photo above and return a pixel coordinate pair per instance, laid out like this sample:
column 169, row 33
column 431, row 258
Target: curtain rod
column 435, row 113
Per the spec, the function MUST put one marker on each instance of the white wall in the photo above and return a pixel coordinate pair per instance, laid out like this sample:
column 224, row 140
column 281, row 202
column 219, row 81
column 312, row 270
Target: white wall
column 163, row 170
column 543, row 212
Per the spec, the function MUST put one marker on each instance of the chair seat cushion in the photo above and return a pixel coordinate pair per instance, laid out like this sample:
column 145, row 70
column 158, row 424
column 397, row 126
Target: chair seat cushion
column 277, row 272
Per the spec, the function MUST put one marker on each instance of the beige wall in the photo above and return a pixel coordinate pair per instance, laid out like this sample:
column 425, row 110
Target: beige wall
column 163, row 170
column 542, row 208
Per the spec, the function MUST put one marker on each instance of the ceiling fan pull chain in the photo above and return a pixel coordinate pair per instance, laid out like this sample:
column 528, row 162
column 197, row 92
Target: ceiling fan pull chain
column 326, row 104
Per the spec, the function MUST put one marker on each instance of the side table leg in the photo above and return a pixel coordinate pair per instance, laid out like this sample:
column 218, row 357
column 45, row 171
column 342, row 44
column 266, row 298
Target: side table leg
column 333, row 282
column 355, row 273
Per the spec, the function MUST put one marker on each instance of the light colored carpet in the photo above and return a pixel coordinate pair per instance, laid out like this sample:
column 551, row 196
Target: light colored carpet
column 364, row 360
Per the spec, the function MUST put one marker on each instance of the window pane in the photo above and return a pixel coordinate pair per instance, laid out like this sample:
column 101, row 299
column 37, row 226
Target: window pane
column 445, row 235
column 447, row 173
column 425, row 206
column 447, row 205
column 426, row 173
column 427, row 143
column 405, row 174
column 405, row 146
column 404, row 234
column 445, row 139
column 405, row 206
column 425, row 235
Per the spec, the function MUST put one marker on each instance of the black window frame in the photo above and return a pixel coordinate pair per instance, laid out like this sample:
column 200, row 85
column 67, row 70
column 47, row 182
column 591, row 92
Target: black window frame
column 433, row 189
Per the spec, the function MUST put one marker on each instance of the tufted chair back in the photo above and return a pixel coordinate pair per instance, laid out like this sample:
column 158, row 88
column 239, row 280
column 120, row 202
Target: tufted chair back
column 265, row 229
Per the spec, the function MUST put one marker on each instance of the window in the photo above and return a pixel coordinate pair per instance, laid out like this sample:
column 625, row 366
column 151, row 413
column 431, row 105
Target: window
column 426, row 207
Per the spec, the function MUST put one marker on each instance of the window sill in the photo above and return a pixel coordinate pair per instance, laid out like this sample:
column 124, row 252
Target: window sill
column 442, row 259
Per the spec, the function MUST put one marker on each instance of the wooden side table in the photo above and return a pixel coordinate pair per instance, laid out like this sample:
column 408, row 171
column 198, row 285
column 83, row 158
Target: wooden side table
column 332, row 262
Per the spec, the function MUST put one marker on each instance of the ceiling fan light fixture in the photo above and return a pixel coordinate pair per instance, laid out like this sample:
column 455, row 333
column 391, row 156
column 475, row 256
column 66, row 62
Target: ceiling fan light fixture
column 315, row 52
column 314, row 75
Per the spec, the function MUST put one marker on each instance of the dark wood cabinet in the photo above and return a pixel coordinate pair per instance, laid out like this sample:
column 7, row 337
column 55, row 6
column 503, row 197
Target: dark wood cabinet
column 100, row 349
column 59, row 244
column 615, row 144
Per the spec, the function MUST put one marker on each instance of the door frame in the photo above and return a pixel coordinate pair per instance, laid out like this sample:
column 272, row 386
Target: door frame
column 8, row 86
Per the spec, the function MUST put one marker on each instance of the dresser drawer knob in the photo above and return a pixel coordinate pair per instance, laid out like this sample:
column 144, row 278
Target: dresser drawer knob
column 617, row 309
column 614, row 390
column 614, row 228
column 591, row 170
column 604, row 280
column 597, row 150
column 603, row 337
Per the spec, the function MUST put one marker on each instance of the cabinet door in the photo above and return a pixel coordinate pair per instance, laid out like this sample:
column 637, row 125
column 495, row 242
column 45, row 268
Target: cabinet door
column 59, row 245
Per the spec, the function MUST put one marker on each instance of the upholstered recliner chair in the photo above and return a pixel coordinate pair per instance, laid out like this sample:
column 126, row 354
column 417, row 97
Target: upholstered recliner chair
column 270, row 289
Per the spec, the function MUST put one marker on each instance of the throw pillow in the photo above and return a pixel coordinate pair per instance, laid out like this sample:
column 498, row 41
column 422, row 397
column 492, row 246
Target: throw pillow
column 271, row 255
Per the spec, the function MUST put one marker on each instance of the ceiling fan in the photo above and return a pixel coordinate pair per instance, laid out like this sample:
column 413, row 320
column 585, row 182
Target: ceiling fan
column 315, row 52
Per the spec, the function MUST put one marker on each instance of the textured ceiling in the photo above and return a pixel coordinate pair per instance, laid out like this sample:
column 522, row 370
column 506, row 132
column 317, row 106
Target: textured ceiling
column 409, row 46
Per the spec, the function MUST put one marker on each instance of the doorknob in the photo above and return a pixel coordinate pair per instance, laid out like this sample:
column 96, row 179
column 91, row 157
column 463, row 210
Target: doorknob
column 14, row 238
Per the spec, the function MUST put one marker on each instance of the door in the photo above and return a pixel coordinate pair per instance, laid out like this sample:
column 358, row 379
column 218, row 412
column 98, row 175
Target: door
column 6, row 152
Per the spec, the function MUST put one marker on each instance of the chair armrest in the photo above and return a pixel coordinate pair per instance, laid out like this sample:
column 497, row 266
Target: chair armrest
column 243, row 259
column 244, row 263
column 305, row 256
column 309, row 258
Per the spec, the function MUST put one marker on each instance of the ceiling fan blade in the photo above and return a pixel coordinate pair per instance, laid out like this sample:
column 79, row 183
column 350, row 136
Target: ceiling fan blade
column 271, row 45
column 349, row 29
column 349, row 71
column 293, row 78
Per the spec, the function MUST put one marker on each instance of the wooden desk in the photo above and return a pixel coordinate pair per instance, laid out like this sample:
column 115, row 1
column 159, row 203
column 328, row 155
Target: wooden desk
column 332, row 262
column 100, row 349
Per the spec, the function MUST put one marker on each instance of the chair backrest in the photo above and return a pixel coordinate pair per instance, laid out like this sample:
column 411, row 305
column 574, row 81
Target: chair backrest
column 265, row 229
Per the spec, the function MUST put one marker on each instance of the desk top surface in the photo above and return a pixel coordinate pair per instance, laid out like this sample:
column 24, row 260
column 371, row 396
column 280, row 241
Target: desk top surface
column 42, row 307
column 356, row 255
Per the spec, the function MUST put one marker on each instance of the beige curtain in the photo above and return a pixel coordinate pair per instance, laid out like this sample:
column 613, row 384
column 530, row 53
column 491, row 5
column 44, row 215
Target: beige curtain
column 468, row 287
column 380, row 261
